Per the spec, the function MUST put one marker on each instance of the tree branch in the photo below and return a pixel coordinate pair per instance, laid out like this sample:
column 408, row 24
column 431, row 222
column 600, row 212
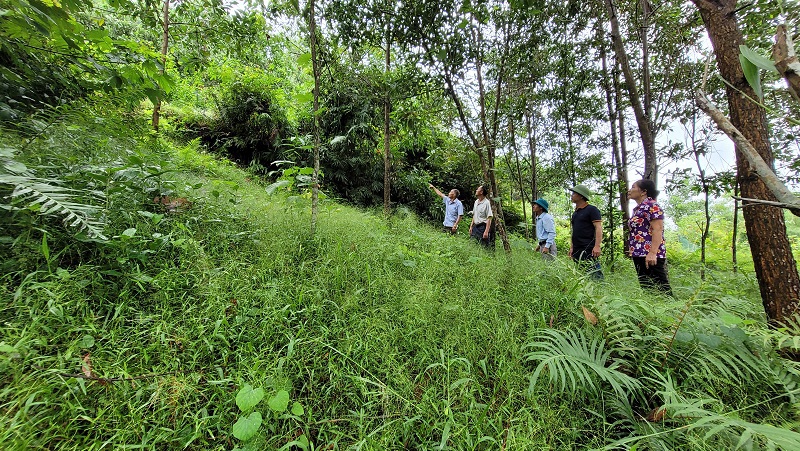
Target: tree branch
column 761, row 168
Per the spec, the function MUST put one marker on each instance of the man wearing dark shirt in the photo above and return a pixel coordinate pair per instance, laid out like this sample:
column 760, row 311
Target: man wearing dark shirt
column 587, row 232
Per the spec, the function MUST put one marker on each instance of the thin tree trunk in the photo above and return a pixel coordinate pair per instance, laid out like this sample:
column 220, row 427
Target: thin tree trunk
column 386, row 149
column 645, row 128
column 696, row 151
column 616, row 156
column 525, row 200
column 647, row 92
column 775, row 266
column 164, row 49
column 622, row 161
column 312, row 25
column 734, row 256
column 532, row 149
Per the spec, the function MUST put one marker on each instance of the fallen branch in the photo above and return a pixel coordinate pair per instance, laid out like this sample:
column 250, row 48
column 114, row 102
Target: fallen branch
column 785, row 197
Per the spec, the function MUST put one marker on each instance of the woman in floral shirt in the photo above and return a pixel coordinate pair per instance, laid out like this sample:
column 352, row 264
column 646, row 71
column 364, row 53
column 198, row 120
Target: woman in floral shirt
column 646, row 244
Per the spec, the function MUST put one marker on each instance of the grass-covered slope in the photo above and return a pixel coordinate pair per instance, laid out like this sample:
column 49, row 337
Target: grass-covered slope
column 372, row 334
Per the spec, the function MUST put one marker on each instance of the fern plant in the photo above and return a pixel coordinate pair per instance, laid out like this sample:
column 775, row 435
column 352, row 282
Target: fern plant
column 46, row 197
column 574, row 361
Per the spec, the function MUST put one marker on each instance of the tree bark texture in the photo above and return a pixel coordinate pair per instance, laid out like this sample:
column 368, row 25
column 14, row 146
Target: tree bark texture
column 786, row 60
column 774, row 263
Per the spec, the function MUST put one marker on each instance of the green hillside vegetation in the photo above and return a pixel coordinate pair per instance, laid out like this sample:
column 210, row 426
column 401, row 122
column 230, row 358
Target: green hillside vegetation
column 213, row 319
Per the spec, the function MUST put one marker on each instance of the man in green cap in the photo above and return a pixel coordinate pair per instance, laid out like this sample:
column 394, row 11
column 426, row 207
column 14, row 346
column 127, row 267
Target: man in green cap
column 587, row 232
column 545, row 229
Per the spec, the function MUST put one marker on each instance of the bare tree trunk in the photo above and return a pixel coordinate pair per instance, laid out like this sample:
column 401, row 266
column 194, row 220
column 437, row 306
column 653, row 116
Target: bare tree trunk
column 532, row 149
column 645, row 128
column 775, row 267
column 312, row 25
column 164, row 49
column 696, row 151
column 734, row 256
column 525, row 200
column 386, row 149
column 647, row 92
column 616, row 156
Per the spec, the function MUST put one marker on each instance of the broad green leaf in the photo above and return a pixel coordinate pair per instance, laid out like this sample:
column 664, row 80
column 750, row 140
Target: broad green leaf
column 752, row 75
column 338, row 139
column 87, row 341
column 246, row 427
column 730, row 319
column 248, row 397
column 297, row 409
column 280, row 401
column 761, row 61
column 304, row 59
column 304, row 98
column 129, row 232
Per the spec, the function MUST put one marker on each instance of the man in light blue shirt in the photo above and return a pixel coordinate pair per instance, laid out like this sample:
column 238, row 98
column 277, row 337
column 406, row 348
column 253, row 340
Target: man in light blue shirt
column 453, row 210
column 545, row 229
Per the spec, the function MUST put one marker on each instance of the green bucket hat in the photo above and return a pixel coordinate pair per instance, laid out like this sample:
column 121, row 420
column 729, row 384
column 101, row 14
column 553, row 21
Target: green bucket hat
column 582, row 190
column 542, row 203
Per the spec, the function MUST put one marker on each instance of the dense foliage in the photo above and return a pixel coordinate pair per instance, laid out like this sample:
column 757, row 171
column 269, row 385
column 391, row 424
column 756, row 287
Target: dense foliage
column 163, row 290
column 371, row 334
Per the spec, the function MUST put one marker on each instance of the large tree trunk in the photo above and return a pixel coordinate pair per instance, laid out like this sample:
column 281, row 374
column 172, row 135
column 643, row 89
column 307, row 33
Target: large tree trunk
column 642, row 119
column 774, row 263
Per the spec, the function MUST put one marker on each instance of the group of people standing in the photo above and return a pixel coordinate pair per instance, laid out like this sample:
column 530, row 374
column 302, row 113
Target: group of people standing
column 646, row 245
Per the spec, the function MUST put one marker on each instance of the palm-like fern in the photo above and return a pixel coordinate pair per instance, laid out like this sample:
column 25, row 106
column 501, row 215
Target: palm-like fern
column 47, row 196
column 574, row 361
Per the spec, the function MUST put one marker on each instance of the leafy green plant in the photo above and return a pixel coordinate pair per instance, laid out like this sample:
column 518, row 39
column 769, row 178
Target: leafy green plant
column 46, row 197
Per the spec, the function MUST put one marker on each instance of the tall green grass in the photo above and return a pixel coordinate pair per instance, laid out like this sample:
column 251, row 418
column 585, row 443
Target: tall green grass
column 389, row 334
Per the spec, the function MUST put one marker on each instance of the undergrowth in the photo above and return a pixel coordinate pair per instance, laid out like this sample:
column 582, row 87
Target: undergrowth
column 372, row 334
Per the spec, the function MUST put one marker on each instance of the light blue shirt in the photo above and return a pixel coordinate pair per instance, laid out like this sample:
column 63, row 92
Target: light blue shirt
column 546, row 229
column 452, row 210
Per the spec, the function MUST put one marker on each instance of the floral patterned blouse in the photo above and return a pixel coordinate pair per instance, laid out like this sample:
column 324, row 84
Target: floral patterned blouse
column 641, row 235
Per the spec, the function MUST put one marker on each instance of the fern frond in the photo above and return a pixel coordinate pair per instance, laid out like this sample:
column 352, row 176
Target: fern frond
column 54, row 200
column 728, row 428
column 573, row 361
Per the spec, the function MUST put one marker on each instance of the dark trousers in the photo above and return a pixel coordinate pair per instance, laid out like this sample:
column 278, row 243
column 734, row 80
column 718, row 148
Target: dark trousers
column 589, row 264
column 477, row 233
column 654, row 277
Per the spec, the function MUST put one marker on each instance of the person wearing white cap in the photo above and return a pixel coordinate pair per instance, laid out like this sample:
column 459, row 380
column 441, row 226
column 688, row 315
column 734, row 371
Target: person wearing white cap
column 587, row 232
column 545, row 229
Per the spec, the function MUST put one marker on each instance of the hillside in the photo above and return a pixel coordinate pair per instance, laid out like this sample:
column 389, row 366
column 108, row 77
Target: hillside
column 371, row 334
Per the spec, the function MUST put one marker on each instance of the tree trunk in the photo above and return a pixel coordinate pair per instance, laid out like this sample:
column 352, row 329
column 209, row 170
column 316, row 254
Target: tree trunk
column 734, row 251
column 774, row 263
column 697, row 150
column 164, row 48
column 386, row 149
column 616, row 157
column 645, row 128
column 312, row 25
column 532, row 149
